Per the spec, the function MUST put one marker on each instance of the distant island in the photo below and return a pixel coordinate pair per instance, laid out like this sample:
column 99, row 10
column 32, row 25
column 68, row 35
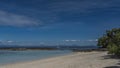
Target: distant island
column 62, row 47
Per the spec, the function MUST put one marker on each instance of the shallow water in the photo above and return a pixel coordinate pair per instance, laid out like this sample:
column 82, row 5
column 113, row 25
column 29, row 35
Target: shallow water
column 7, row 56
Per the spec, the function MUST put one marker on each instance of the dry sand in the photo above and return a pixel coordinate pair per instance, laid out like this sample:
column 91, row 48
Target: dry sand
column 75, row 60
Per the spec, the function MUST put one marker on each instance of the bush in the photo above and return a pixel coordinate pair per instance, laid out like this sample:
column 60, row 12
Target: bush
column 111, row 41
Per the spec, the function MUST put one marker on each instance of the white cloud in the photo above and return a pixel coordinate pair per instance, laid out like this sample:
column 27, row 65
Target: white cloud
column 91, row 40
column 74, row 40
column 71, row 40
column 10, row 41
column 66, row 40
column 9, row 19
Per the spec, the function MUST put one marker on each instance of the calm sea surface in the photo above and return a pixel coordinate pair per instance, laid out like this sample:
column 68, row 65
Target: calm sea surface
column 7, row 56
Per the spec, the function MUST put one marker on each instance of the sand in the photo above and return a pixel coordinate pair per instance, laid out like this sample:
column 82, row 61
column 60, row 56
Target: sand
column 75, row 60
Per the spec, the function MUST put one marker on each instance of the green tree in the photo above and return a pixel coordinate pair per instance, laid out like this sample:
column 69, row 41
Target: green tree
column 111, row 41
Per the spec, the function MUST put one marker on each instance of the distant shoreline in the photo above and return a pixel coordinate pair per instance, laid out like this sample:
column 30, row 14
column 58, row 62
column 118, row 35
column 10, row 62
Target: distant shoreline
column 73, row 48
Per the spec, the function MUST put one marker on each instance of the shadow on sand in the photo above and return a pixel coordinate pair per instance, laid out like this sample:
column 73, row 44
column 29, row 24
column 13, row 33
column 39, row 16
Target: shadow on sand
column 112, row 67
column 112, row 57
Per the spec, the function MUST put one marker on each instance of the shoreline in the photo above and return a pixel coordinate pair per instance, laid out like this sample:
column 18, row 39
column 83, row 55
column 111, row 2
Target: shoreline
column 42, row 59
column 93, row 59
column 38, row 57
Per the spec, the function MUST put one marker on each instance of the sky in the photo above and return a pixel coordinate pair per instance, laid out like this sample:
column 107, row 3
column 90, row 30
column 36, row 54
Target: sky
column 57, row 20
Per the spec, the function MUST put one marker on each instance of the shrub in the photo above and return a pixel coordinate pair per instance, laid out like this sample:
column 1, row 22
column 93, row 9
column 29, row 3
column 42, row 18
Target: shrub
column 111, row 41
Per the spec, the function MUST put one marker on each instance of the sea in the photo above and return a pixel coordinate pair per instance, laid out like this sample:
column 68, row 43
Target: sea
column 9, row 56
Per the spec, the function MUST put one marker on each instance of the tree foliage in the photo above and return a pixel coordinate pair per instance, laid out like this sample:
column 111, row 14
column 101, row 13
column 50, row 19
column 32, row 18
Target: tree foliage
column 111, row 41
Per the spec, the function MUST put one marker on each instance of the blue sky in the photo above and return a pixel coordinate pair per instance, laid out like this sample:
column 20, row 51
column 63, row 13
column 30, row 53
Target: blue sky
column 57, row 20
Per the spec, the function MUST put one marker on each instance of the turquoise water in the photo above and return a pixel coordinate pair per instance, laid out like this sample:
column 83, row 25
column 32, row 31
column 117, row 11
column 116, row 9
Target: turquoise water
column 7, row 57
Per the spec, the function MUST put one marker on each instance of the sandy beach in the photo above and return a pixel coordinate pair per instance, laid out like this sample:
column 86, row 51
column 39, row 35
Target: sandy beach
column 75, row 60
